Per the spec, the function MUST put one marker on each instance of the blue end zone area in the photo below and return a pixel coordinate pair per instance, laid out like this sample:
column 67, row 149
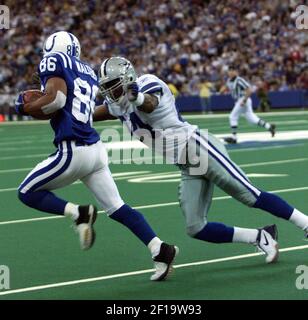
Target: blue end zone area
column 260, row 144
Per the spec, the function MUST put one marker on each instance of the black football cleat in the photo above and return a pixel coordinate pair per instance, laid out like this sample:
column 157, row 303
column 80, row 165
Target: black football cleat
column 84, row 226
column 230, row 140
column 163, row 261
column 272, row 130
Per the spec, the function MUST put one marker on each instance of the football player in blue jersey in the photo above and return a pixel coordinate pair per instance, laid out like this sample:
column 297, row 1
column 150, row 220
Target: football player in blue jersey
column 70, row 87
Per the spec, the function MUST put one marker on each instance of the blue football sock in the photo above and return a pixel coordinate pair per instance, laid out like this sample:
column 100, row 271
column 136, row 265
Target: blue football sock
column 134, row 221
column 44, row 201
column 215, row 232
column 274, row 205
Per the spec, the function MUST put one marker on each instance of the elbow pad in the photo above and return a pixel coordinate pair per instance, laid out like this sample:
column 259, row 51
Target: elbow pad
column 55, row 105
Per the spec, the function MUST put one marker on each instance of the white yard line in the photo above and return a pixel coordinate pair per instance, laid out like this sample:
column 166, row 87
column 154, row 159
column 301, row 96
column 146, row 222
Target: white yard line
column 261, row 114
column 260, row 164
column 186, row 116
column 136, row 145
column 172, row 176
column 156, row 205
column 8, row 189
column 15, row 170
column 263, row 136
column 45, row 147
column 136, row 174
column 129, row 160
column 25, row 156
column 263, row 148
column 139, row 272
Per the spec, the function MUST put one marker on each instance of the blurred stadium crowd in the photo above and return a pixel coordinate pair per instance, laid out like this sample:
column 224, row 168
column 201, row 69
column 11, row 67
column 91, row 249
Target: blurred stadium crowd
column 186, row 43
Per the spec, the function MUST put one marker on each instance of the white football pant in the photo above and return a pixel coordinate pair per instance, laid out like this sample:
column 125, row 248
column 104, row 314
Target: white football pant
column 72, row 163
column 245, row 110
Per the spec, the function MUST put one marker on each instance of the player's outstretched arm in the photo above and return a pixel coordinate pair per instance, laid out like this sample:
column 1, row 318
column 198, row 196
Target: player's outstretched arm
column 53, row 99
column 143, row 101
column 149, row 104
column 101, row 113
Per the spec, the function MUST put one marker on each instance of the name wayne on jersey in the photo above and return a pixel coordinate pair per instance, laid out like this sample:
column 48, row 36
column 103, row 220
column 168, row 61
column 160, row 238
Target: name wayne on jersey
column 83, row 68
column 163, row 130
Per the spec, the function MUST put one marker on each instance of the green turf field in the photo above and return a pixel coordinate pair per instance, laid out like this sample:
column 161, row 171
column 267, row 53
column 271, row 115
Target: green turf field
column 43, row 254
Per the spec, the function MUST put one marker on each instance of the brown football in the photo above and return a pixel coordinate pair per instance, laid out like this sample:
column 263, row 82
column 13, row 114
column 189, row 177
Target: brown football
column 32, row 95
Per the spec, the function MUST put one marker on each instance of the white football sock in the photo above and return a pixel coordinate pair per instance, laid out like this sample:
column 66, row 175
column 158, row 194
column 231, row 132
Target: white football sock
column 71, row 210
column 244, row 235
column 267, row 126
column 299, row 219
column 154, row 246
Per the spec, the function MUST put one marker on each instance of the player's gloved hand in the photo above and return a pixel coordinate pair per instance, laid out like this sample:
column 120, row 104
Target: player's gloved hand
column 134, row 95
column 19, row 105
column 132, row 91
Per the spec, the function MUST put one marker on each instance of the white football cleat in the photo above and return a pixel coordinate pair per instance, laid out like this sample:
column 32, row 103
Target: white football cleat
column 84, row 226
column 266, row 242
column 163, row 261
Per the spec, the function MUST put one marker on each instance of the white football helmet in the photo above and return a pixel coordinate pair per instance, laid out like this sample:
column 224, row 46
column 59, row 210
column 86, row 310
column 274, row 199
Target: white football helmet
column 62, row 41
column 115, row 74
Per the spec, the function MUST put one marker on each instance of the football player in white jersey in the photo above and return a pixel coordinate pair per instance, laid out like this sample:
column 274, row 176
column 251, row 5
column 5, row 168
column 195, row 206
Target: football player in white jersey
column 146, row 105
column 241, row 91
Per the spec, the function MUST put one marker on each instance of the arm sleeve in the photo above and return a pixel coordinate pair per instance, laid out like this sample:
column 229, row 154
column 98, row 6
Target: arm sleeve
column 152, row 87
column 149, row 84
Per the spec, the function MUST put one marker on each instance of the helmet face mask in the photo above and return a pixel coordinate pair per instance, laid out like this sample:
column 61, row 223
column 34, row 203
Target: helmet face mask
column 113, row 89
column 115, row 75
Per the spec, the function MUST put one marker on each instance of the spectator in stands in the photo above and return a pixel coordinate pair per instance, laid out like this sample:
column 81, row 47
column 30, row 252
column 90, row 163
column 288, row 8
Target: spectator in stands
column 205, row 93
column 284, row 86
column 177, row 40
column 173, row 89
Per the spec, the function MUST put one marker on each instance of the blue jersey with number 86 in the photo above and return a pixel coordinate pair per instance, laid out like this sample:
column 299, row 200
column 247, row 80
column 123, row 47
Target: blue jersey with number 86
column 74, row 120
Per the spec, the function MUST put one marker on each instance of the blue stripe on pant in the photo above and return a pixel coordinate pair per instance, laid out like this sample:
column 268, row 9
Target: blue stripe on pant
column 44, row 200
column 247, row 185
column 57, row 173
column 42, row 171
column 220, row 153
column 265, row 201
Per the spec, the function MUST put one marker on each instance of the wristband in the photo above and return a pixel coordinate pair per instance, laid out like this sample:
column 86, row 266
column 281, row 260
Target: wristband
column 140, row 99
